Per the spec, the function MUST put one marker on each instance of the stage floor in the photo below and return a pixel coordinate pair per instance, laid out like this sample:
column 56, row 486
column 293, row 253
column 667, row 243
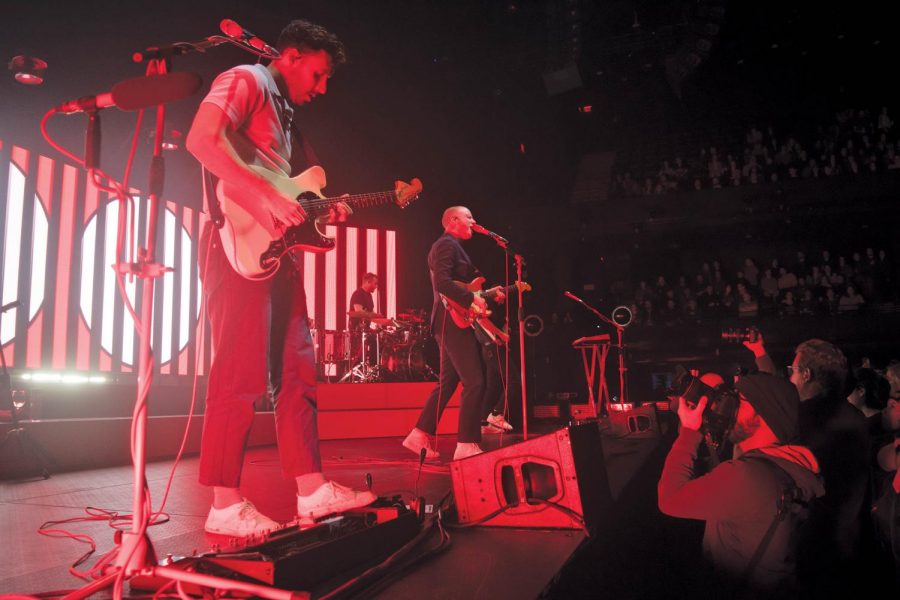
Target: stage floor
column 482, row 562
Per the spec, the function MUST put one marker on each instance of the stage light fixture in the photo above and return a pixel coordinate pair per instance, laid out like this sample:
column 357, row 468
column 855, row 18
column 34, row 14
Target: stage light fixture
column 28, row 70
column 64, row 378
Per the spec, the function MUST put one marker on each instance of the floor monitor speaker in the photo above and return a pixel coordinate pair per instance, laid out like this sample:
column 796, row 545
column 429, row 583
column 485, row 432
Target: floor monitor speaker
column 556, row 480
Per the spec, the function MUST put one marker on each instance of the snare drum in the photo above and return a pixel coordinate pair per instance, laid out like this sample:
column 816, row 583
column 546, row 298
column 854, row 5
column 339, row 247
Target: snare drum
column 331, row 346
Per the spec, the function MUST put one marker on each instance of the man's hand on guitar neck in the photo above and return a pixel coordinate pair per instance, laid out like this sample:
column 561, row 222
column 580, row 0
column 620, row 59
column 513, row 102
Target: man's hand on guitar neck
column 293, row 214
column 339, row 212
column 496, row 294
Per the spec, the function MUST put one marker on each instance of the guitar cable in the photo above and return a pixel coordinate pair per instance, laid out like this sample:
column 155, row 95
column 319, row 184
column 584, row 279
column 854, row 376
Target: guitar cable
column 505, row 370
column 437, row 408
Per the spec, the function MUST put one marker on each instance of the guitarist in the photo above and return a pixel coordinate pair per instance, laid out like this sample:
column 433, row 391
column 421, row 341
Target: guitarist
column 460, row 350
column 259, row 328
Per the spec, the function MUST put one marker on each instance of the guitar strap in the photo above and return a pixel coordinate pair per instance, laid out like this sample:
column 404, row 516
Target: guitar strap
column 300, row 161
column 213, row 208
column 306, row 156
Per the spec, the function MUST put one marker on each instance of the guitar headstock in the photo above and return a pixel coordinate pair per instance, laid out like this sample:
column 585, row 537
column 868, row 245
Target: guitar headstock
column 523, row 286
column 407, row 192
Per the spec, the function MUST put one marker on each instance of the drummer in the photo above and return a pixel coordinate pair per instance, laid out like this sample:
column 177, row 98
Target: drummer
column 362, row 302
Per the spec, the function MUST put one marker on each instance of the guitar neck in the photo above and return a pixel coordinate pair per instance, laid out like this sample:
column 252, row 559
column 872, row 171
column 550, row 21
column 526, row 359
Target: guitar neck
column 506, row 291
column 320, row 206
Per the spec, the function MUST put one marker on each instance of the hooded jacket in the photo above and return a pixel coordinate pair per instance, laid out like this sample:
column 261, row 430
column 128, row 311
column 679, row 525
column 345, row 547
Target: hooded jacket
column 739, row 499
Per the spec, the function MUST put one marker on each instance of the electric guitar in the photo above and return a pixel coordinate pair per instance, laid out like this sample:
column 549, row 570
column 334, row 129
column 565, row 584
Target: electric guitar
column 470, row 317
column 255, row 254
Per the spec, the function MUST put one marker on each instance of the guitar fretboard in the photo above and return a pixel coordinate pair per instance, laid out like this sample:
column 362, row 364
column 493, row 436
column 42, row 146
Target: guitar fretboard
column 320, row 206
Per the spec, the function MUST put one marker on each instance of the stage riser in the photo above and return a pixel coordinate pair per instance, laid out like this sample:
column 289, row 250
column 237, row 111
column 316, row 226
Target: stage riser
column 346, row 411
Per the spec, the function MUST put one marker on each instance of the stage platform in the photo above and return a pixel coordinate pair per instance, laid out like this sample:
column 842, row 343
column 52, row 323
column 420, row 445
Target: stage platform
column 346, row 411
column 481, row 562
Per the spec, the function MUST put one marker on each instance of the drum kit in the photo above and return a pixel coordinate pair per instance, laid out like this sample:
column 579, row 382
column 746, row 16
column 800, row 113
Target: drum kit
column 386, row 350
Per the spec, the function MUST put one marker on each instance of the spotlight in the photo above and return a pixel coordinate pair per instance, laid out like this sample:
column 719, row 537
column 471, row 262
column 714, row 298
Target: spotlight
column 28, row 69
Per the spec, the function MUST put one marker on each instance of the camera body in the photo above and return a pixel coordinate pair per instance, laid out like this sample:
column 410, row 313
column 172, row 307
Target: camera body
column 721, row 408
column 740, row 334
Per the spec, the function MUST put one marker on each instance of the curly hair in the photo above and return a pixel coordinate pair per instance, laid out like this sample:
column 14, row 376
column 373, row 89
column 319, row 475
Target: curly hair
column 304, row 35
column 826, row 363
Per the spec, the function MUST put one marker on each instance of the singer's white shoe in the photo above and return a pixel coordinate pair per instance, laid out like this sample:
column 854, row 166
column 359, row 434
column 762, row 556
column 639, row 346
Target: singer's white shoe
column 417, row 440
column 498, row 422
column 465, row 450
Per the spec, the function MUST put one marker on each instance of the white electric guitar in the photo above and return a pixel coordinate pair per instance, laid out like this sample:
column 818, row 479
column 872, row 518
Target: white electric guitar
column 255, row 254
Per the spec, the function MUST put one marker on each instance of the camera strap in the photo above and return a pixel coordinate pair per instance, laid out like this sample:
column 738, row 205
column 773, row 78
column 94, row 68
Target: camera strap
column 787, row 499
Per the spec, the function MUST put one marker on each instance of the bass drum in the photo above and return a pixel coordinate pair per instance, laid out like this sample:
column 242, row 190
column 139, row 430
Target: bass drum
column 409, row 362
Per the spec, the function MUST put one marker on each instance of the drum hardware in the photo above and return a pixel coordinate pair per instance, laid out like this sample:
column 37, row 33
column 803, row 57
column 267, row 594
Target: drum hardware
column 332, row 351
column 363, row 371
column 389, row 350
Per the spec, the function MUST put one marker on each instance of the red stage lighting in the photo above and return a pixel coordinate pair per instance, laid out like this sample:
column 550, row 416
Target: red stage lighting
column 28, row 69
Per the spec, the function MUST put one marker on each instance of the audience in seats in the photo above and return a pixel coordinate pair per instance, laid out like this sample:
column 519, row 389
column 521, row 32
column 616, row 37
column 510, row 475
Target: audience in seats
column 828, row 287
column 854, row 143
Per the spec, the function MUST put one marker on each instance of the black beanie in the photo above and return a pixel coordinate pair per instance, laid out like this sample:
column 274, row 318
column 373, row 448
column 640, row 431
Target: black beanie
column 775, row 400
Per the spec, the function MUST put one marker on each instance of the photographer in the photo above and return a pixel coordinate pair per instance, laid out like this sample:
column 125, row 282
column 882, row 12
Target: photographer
column 836, row 434
column 747, row 544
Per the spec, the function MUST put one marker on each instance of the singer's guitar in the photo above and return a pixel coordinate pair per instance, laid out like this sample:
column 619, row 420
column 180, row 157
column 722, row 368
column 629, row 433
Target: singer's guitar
column 470, row 317
column 255, row 254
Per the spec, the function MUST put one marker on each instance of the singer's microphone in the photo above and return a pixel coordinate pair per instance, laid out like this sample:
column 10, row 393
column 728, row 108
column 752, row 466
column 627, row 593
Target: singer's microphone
column 236, row 32
column 138, row 93
column 569, row 294
column 479, row 229
column 10, row 305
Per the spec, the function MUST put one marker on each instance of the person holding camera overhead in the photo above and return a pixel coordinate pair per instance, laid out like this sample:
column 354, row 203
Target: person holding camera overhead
column 836, row 433
column 748, row 540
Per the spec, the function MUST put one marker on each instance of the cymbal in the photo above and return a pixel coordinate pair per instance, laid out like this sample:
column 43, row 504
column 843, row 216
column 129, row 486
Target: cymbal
column 411, row 317
column 363, row 314
column 381, row 321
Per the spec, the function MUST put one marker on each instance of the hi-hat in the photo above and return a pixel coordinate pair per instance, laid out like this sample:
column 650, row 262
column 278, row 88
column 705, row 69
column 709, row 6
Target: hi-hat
column 364, row 314
column 411, row 317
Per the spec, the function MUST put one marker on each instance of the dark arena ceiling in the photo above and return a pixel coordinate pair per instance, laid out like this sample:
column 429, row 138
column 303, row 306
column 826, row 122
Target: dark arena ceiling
column 493, row 104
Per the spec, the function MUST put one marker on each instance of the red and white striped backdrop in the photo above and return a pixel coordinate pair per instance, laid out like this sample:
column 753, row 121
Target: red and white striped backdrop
column 57, row 242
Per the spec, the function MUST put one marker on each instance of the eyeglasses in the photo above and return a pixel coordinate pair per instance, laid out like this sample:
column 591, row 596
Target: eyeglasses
column 791, row 369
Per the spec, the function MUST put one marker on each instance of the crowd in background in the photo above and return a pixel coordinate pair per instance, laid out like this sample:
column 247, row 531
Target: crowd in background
column 799, row 285
column 857, row 141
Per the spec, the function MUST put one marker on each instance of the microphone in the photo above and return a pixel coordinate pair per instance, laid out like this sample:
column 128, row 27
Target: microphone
column 569, row 294
column 138, row 93
column 479, row 229
column 236, row 32
column 10, row 305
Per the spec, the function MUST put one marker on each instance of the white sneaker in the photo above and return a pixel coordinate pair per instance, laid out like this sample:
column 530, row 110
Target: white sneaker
column 239, row 520
column 498, row 422
column 331, row 497
column 465, row 450
column 418, row 439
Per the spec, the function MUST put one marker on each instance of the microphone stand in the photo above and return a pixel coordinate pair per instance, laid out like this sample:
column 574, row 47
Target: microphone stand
column 136, row 558
column 620, row 345
column 136, row 550
column 520, row 263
